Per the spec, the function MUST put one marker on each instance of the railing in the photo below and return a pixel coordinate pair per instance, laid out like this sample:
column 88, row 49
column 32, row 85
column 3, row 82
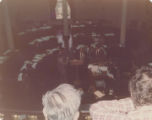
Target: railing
column 9, row 114
column 12, row 114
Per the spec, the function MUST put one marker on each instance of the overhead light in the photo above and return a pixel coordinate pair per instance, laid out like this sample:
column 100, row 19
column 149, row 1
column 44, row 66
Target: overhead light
column 0, row 1
column 150, row 1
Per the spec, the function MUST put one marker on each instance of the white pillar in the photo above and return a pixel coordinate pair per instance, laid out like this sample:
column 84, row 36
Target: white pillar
column 123, row 23
column 65, row 18
column 2, row 45
column 8, row 27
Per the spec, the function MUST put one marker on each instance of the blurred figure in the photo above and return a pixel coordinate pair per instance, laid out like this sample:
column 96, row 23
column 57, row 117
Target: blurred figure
column 62, row 66
column 62, row 103
column 137, row 107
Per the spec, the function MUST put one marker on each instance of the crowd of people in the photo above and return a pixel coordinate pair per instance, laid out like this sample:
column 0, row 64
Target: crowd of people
column 102, row 72
column 63, row 102
column 95, row 63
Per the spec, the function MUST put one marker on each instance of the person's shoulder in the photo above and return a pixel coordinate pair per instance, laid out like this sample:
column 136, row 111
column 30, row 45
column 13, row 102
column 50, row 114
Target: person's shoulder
column 141, row 113
column 125, row 99
column 116, row 100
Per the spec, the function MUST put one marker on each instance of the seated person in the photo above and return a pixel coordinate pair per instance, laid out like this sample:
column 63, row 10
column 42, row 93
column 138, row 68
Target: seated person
column 137, row 107
column 62, row 103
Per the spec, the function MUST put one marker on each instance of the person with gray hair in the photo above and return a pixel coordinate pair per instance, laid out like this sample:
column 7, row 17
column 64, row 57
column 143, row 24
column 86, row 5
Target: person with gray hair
column 137, row 107
column 62, row 103
column 141, row 86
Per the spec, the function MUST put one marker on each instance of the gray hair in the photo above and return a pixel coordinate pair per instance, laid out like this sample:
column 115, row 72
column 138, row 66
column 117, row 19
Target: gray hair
column 141, row 86
column 62, row 103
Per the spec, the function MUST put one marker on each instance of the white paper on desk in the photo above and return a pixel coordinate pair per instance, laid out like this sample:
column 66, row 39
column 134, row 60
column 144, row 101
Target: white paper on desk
column 99, row 94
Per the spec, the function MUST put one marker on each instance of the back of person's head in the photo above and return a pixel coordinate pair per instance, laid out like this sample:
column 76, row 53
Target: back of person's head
column 62, row 103
column 141, row 86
